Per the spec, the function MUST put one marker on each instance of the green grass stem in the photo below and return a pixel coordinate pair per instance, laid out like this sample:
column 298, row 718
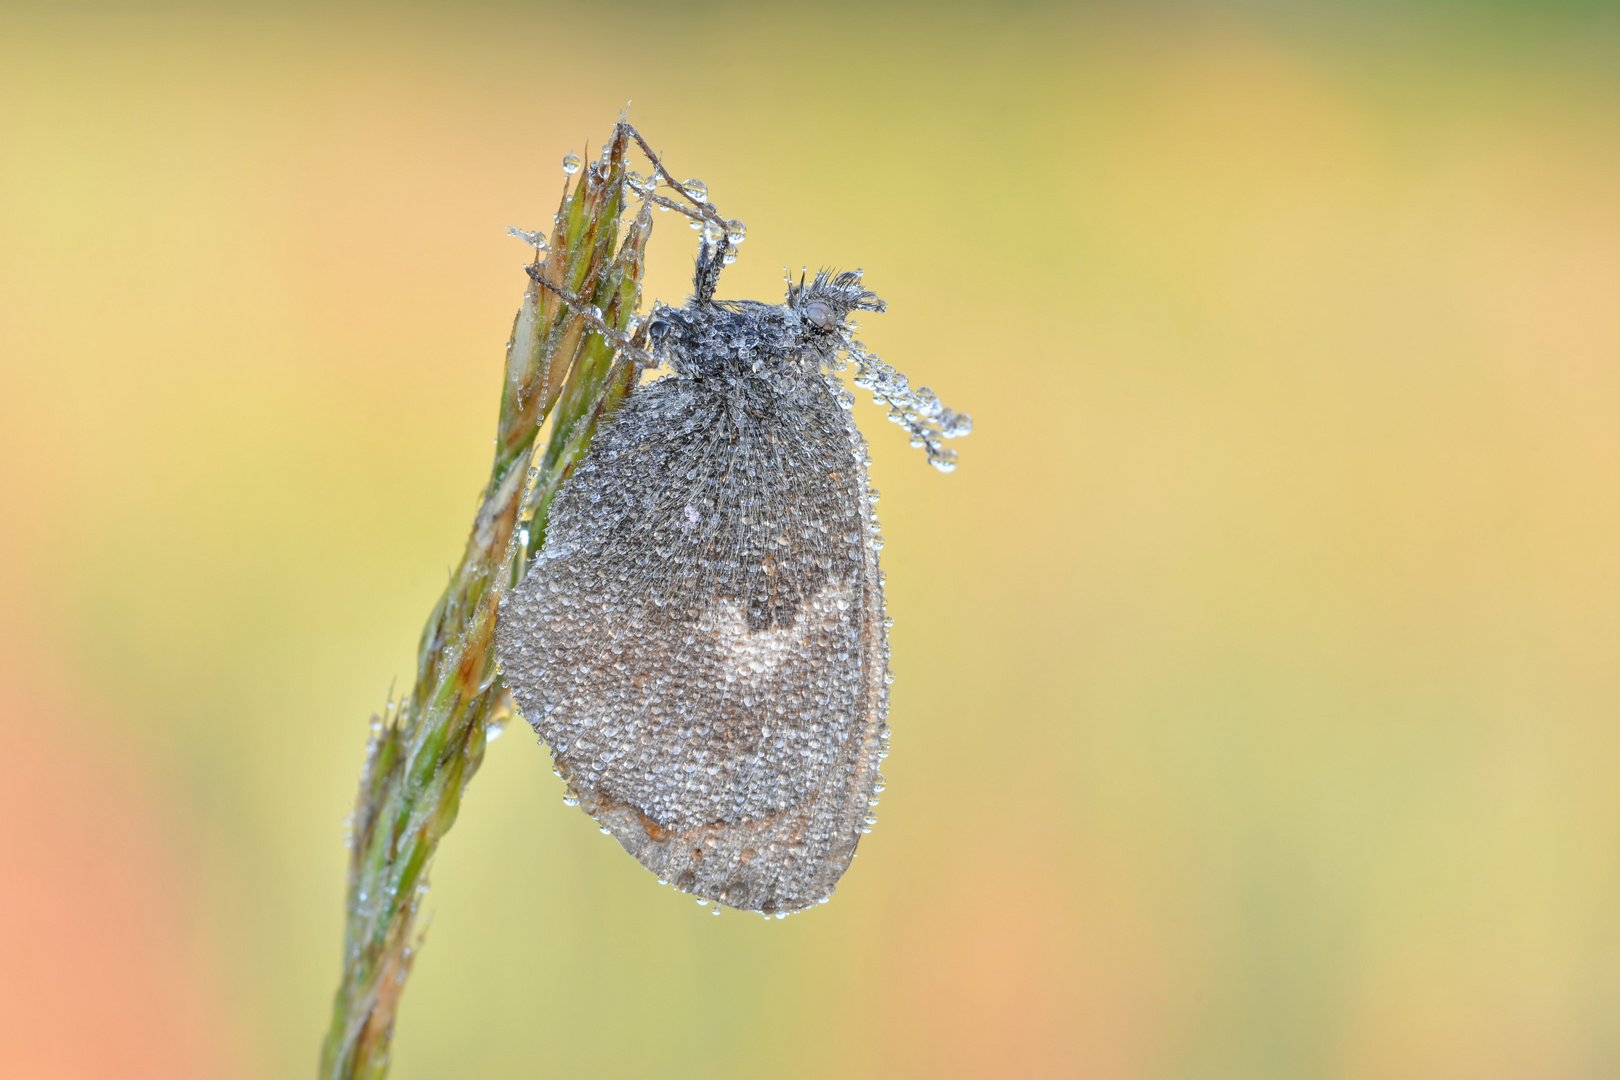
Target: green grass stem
column 427, row 745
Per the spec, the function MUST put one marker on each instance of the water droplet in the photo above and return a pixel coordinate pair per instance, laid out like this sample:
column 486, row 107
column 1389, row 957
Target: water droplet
column 697, row 189
column 537, row 238
column 570, row 164
column 736, row 231
column 711, row 233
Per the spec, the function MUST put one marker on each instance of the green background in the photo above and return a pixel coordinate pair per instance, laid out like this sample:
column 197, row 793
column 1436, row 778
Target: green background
column 1256, row 711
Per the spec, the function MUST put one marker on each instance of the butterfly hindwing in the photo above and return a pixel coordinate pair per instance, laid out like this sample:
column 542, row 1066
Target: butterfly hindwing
column 701, row 639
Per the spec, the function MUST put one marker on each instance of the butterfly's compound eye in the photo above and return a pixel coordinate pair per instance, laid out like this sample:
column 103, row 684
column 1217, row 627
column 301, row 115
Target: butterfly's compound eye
column 657, row 330
column 820, row 315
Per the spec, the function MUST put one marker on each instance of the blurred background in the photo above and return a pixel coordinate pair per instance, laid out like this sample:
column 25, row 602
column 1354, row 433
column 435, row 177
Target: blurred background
column 1257, row 695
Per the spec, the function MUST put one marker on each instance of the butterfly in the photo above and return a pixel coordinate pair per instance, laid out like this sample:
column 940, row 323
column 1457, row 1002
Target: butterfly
column 701, row 640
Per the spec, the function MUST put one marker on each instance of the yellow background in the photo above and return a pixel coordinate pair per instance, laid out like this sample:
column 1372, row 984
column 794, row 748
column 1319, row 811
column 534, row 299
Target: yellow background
column 1258, row 669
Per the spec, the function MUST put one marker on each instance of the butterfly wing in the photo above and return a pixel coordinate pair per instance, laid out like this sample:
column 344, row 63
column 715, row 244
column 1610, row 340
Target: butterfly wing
column 701, row 639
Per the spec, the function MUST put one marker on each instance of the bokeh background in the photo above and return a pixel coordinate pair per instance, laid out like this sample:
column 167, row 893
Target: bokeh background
column 1258, row 700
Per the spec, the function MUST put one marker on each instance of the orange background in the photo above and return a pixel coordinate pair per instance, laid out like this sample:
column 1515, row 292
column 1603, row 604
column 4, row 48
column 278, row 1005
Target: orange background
column 1257, row 683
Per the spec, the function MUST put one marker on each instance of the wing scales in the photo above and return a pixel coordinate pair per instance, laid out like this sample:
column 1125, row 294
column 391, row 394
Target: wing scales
column 701, row 641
